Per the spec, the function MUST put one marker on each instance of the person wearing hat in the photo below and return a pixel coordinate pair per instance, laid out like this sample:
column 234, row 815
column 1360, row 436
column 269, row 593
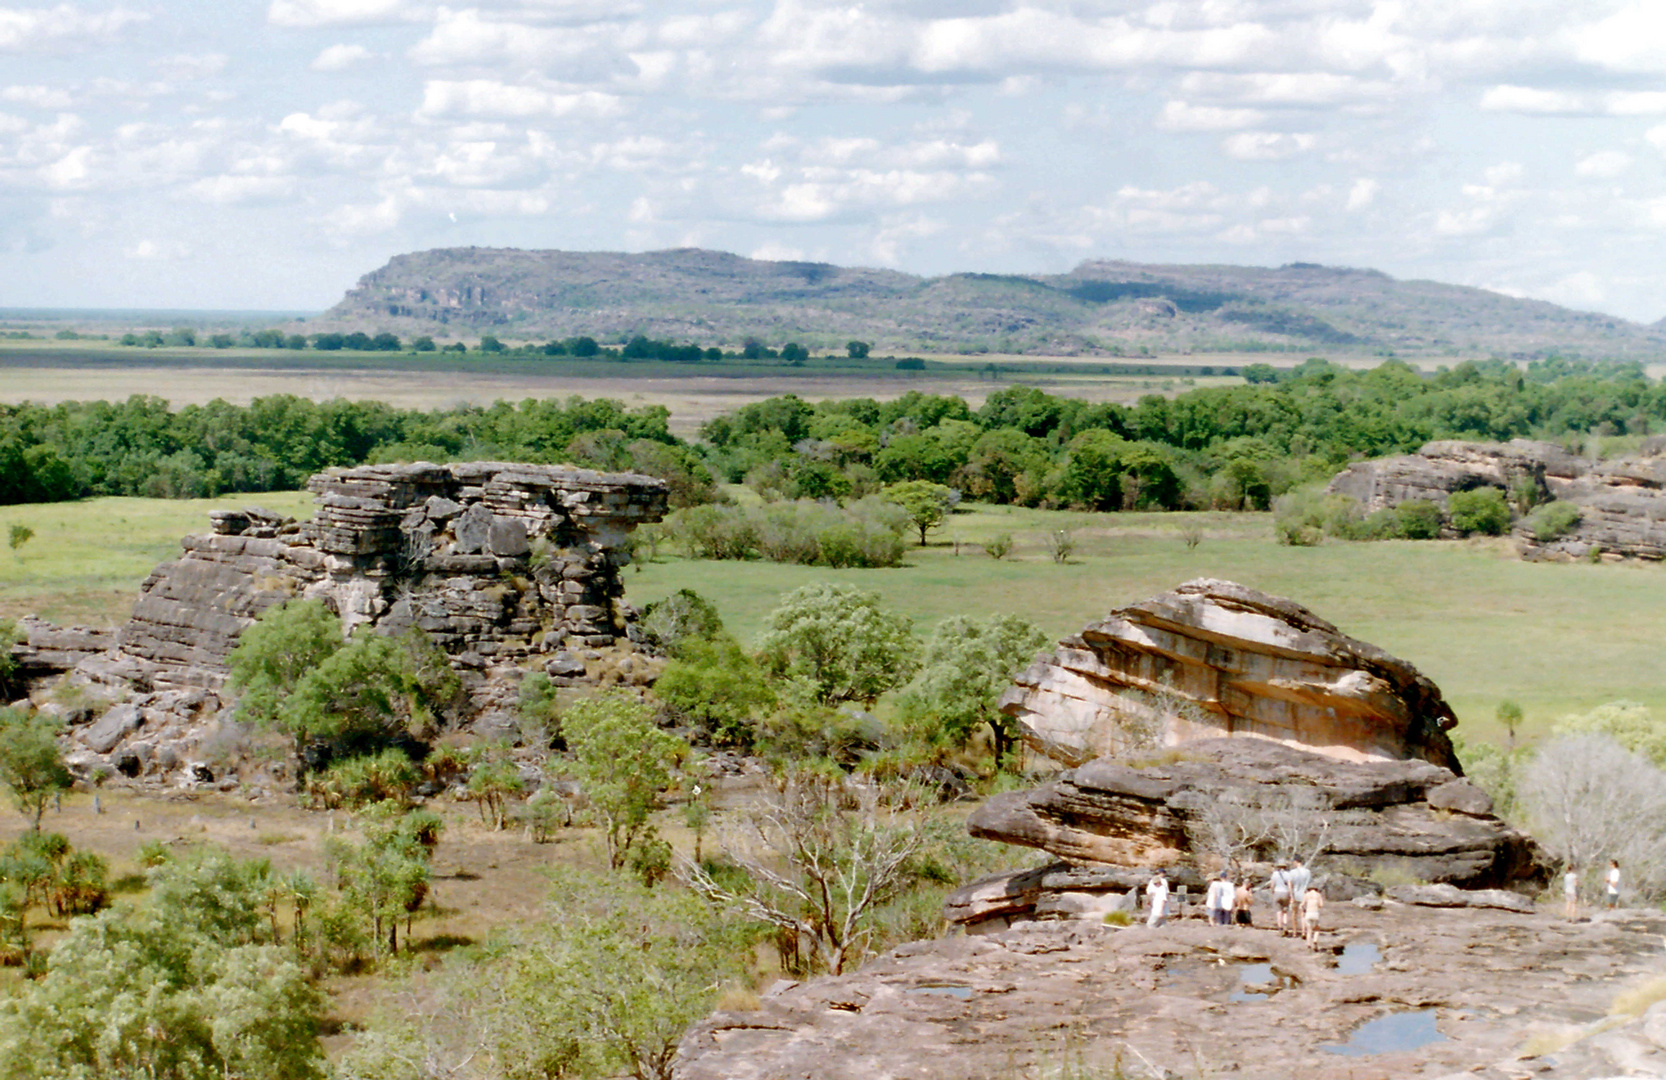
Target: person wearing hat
column 1219, row 900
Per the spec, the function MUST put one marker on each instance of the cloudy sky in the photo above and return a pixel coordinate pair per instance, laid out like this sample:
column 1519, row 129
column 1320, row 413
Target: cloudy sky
column 265, row 153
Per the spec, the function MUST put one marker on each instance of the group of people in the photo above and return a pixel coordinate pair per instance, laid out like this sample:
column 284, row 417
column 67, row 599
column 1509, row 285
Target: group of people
column 1227, row 902
column 1610, row 888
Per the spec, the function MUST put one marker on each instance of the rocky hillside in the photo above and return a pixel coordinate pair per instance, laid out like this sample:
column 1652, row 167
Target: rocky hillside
column 716, row 298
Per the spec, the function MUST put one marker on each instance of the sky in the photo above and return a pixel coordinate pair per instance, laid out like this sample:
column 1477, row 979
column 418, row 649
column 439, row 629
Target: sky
column 263, row 154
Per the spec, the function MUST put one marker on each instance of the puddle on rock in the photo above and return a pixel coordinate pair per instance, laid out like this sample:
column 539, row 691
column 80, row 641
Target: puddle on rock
column 1387, row 1034
column 1256, row 982
column 1358, row 958
column 959, row 993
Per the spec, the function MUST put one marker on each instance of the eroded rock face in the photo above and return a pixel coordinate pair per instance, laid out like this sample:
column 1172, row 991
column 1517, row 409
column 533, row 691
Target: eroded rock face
column 1622, row 502
column 505, row 566
column 1112, row 823
column 1215, row 658
column 1060, row 998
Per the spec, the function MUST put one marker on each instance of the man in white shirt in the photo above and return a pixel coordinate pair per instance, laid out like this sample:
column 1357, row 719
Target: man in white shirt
column 1219, row 900
column 1157, row 895
column 1280, row 884
column 1300, row 878
column 1570, row 893
column 1613, row 884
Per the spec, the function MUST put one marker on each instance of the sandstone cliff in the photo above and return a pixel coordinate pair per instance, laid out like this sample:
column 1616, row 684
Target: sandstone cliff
column 1216, row 658
column 1621, row 502
column 505, row 566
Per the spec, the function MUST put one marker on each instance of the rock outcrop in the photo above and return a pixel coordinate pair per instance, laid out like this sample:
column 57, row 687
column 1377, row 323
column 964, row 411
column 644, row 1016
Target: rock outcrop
column 1113, row 822
column 505, row 566
column 1215, row 658
column 1077, row 998
column 1621, row 502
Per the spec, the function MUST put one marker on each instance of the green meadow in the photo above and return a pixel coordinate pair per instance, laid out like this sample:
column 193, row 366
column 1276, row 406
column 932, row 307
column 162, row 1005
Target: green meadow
column 1484, row 625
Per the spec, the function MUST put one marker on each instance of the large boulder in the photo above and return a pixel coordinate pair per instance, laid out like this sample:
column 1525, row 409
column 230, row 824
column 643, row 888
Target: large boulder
column 1216, row 658
column 1112, row 822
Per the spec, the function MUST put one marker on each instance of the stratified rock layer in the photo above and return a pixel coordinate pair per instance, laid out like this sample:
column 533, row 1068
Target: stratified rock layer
column 498, row 563
column 1111, row 822
column 1622, row 502
column 1215, row 658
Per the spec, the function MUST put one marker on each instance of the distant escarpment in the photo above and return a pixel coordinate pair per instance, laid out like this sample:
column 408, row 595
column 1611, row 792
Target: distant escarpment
column 1104, row 307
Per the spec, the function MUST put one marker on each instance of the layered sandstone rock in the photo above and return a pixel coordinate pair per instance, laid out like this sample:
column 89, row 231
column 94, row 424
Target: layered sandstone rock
column 1076, row 998
column 1622, row 502
column 1112, row 822
column 505, row 566
column 1215, row 658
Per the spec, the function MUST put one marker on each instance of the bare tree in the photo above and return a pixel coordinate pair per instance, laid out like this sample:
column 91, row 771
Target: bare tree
column 1236, row 825
column 1588, row 800
column 819, row 856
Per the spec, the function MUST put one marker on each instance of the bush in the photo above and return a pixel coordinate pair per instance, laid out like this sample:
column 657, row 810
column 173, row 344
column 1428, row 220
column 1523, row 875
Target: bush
column 999, row 546
column 1418, row 519
column 359, row 781
column 840, row 643
column 1481, row 511
column 867, row 534
column 1590, row 800
column 1552, row 521
column 716, row 686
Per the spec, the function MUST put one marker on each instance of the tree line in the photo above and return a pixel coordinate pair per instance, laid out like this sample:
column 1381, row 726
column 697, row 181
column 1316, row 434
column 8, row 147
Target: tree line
column 1229, row 447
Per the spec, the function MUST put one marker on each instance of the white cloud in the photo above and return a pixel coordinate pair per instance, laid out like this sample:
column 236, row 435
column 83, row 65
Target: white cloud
column 228, row 190
column 1504, row 174
column 1179, row 116
column 306, row 14
column 1526, row 99
column 1266, row 145
column 487, row 97
column 1363, row 193
column 341, row 58
column 1301, row 89
column 1605, row 164
column 776, row 251
column 62, row 27
column 192, row 65
column 40, row 97
column 155, row 250
column 1632, row 39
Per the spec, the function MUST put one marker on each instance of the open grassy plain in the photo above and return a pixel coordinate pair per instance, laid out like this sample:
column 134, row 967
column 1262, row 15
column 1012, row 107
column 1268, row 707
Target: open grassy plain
column 1484, row 625
column 53, row 372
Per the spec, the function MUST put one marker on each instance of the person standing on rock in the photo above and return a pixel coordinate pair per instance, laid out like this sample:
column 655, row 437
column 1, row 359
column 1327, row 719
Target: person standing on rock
column 1157, row 895
column 1280, row 884
column 1570, row 893
column 1300, row 878
column 1613, row 884
column 1313, row 901
column 1219, row 900
column 1242, row 900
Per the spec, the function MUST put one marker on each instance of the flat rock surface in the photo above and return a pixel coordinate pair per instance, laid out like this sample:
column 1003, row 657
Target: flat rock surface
column 1180, row 1001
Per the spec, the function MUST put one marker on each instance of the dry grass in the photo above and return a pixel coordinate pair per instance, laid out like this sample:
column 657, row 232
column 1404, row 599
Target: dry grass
column 1636, row 1001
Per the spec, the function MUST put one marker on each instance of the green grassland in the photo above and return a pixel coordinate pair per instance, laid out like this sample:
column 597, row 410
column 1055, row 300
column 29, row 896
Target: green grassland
column 1481, row 623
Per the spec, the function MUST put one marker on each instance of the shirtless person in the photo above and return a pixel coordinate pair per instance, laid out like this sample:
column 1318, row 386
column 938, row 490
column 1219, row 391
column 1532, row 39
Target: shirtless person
column 1313, row 901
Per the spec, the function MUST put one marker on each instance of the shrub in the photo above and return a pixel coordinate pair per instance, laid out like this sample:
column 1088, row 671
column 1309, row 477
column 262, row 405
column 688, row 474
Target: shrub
column 683, row 615
column 867, row 534
column 840, row 642
column 1590, row 800
column 1418, row 519
column 716, row 686
column 1481, row 511
column 999, row 546
column 1552, row 521
column 355, row 782
column 622, row 761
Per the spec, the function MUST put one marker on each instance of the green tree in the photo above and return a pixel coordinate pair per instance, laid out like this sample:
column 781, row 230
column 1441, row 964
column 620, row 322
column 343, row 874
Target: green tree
column 1628, row 723
column 714, row 683
column 967, row 664
column 187, row 987
column 840, row 643
column 858, row 350
column 927, row 504
column 622, row 761
column 31, row 763
column 1508, row 714
column 372, row 689
column 1483, row 510
column 18, row 535
column 385, row 879
column 284, row 645
column 494, row 780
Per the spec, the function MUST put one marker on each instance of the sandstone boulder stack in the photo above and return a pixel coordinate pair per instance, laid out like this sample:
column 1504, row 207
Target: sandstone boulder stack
column 506, row 566
column 1216, row 658
column 1111, row 822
